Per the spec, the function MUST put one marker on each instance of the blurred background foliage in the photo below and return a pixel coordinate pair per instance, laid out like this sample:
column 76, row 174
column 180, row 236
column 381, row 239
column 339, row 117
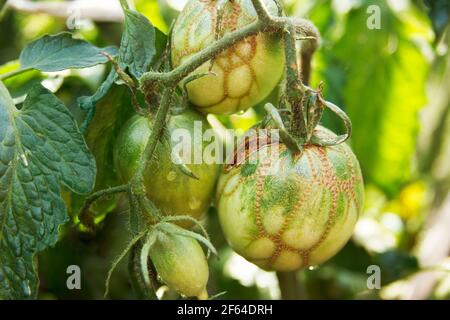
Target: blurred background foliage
column 394, row 82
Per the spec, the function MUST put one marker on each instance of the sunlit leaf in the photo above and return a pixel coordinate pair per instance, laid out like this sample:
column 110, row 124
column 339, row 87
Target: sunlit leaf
column 60, row 52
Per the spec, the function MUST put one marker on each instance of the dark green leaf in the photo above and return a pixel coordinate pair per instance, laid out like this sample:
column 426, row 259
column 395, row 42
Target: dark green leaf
column 113, row 111
column 40, row 148
column 88, row 103
column 137, row 48
column 141, row 42
column 60, row 52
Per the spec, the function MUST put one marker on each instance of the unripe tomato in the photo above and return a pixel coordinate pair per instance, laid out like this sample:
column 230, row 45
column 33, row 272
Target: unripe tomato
column 290, row 211
column 245, row 73
column 181, row 264
column 166, row 185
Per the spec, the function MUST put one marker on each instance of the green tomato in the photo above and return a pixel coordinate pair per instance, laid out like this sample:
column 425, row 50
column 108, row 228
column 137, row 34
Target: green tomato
column 245, row 73
column 284, row 212
column 181, row 264
column 172, row 191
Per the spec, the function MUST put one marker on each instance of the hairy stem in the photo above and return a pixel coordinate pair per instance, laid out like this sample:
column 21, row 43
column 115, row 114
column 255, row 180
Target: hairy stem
column 136, row 182
column 295, row 89
column 261, row 11
column 85, row 216
column 142, row 290
column 311, row 37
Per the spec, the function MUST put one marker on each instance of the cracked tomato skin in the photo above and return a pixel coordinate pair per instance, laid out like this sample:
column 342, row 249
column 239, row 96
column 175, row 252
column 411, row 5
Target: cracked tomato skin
column 173, row 192
column 181, row 264
column 245, row 74
column 291, row 211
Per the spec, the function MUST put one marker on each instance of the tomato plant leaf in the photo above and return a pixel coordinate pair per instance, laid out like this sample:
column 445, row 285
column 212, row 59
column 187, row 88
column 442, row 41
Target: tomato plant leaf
column 88, row 103
column 62, row 51
column 140, row 43
column 112, row 111
column 40, row 148
column 137, row 47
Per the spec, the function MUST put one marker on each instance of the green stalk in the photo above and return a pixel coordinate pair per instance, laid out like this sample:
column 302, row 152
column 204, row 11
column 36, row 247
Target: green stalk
column 14, row 73
column 294, row 87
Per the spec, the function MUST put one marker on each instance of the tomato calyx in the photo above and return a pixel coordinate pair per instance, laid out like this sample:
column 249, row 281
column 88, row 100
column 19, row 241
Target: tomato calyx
column 312, row 107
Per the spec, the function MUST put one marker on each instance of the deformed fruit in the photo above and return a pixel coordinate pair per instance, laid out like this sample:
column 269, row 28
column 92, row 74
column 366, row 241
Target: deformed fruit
column 243, row 74
column 287, row 211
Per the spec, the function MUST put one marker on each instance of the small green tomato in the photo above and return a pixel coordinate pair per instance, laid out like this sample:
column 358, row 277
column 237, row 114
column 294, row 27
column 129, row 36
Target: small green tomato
column 181, row 264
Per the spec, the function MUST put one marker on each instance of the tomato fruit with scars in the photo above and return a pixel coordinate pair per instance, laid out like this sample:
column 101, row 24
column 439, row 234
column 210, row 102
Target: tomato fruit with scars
column 287, row 211
column 243, row 74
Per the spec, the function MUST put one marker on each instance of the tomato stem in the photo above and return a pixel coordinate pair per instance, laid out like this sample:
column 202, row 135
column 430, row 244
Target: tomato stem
column 86, row 217
column 143, row 291
column 136, row 182
column 294, row 89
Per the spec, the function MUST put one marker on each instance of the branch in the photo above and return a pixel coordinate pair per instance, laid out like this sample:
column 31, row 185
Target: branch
column 261, row 11
column 308, row 48
column 85, row 216
column 294, row 89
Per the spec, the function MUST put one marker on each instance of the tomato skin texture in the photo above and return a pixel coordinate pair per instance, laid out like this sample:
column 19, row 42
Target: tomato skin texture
column 173, row 192
column 181, row 264
column 245, row 74
column 301, row 213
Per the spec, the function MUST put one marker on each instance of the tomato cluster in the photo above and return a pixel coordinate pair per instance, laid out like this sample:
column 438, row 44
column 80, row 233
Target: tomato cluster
column 280, row 212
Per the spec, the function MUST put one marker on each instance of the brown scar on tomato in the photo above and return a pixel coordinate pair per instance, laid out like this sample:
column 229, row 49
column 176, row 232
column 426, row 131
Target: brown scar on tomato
column 246, row 147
